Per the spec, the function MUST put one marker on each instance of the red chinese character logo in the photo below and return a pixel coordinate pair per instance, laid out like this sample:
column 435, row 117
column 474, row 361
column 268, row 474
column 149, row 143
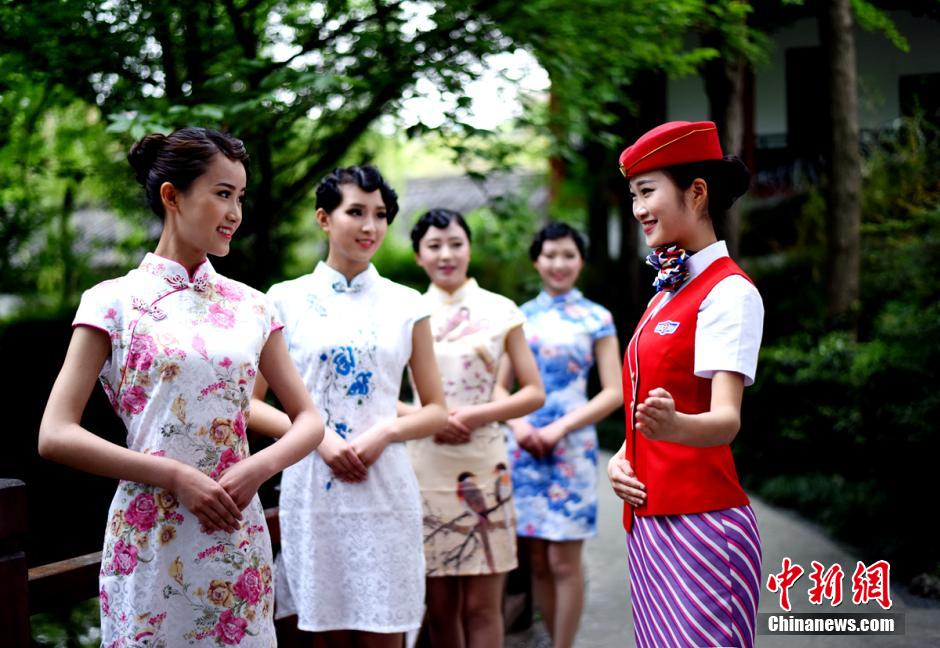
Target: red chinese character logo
column 826, row 585
column 872, row 583
column 784, row 581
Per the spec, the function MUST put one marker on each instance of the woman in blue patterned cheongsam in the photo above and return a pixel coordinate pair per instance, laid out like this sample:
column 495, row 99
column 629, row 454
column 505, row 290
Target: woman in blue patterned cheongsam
column 554, row 449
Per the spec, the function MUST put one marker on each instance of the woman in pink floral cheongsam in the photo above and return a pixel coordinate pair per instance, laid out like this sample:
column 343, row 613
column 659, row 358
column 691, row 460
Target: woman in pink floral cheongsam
column 177, row 348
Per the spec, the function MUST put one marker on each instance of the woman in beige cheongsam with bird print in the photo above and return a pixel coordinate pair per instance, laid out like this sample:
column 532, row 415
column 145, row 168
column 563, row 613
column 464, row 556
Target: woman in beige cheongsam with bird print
column 466, row 487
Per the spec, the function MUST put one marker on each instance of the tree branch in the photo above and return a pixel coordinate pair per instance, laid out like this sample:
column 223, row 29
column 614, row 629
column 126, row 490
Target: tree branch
column 192, row 50
column 335, row 144
column 247, row 39
column 164, row 34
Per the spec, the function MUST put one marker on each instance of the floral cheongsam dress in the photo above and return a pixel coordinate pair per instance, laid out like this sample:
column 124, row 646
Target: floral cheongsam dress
column 351, row 552
column 469, row 522
column 184, row 355
column 556, row 495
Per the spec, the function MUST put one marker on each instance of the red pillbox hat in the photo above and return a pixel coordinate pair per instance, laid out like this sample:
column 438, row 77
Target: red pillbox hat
column 670, row 144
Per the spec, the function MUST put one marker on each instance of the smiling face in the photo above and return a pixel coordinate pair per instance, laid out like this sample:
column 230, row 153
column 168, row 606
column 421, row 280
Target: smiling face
column 445, row 255
column 206, row 215
column 559, row 264
column 669, row 214
column 356, row 228
column 658, row 206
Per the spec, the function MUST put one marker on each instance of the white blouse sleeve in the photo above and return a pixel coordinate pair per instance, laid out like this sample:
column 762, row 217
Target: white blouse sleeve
column 729, row 330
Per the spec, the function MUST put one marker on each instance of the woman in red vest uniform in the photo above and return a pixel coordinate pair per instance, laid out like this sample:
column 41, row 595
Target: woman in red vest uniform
column 694, row 548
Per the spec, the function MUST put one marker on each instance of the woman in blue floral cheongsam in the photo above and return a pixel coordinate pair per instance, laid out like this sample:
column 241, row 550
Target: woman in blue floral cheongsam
column 554, row 449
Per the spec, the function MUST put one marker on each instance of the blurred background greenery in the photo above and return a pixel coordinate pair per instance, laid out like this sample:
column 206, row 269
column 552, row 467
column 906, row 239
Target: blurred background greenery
column 841, row 424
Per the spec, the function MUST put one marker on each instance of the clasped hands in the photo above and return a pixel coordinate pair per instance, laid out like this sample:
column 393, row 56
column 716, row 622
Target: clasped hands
column 539, row 442
column 461, row 422
column 218, row 503
column 350, row 459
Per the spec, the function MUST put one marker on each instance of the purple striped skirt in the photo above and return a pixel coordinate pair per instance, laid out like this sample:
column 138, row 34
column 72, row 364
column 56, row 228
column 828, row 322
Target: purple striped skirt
column 695, row 579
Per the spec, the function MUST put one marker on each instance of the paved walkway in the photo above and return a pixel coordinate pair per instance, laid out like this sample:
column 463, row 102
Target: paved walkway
column 608, row 623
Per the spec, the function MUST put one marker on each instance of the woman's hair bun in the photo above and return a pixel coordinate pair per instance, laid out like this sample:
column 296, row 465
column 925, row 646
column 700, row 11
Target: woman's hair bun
column 179, row 158
column 727, row 180
column 737, row 177
column 143, row 154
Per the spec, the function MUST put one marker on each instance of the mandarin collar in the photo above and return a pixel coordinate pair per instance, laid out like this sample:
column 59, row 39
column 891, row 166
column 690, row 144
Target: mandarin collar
column 441, row 296
column 324, row 275
column 547, row 301
column 173, row 272
column 697, row 262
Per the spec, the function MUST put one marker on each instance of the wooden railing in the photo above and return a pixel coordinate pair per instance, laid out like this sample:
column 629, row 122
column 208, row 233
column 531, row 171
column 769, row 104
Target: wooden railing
column 14, row 612
column 64, row 584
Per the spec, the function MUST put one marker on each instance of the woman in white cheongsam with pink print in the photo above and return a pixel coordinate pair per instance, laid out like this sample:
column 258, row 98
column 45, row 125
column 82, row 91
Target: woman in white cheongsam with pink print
column 177, row 348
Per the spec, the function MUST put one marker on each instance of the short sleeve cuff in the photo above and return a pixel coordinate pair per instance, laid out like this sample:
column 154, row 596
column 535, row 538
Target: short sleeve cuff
column 273, row 305
column 419, row 309
column 515, row 318
column 604, row 331
column 96, row 311
column 605, row 324
column 708, row 374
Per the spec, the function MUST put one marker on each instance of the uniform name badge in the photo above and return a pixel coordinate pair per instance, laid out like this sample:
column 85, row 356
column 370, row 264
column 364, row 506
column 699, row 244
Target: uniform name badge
column 666, row 327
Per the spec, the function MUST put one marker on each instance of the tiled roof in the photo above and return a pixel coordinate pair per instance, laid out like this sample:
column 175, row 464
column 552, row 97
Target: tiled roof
column 98, row 231
column 465, row 194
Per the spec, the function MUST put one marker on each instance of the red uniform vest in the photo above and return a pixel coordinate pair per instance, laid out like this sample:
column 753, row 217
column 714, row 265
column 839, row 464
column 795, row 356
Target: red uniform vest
column 678, row 478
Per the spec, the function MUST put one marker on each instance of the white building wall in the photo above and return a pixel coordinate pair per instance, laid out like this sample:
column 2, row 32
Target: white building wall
column 880, row 64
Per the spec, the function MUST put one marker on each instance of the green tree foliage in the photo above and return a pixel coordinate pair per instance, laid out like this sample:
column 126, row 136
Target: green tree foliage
column 595, row 50
column 608, row 63
column 54, row 156
column 300, row 82
column 843, row 428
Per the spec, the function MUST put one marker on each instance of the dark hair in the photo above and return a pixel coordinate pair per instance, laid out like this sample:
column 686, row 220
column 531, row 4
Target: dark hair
column 727, row 180
column 179, row 158
column 366, row 177
column 440, row 218
column 552, row 232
